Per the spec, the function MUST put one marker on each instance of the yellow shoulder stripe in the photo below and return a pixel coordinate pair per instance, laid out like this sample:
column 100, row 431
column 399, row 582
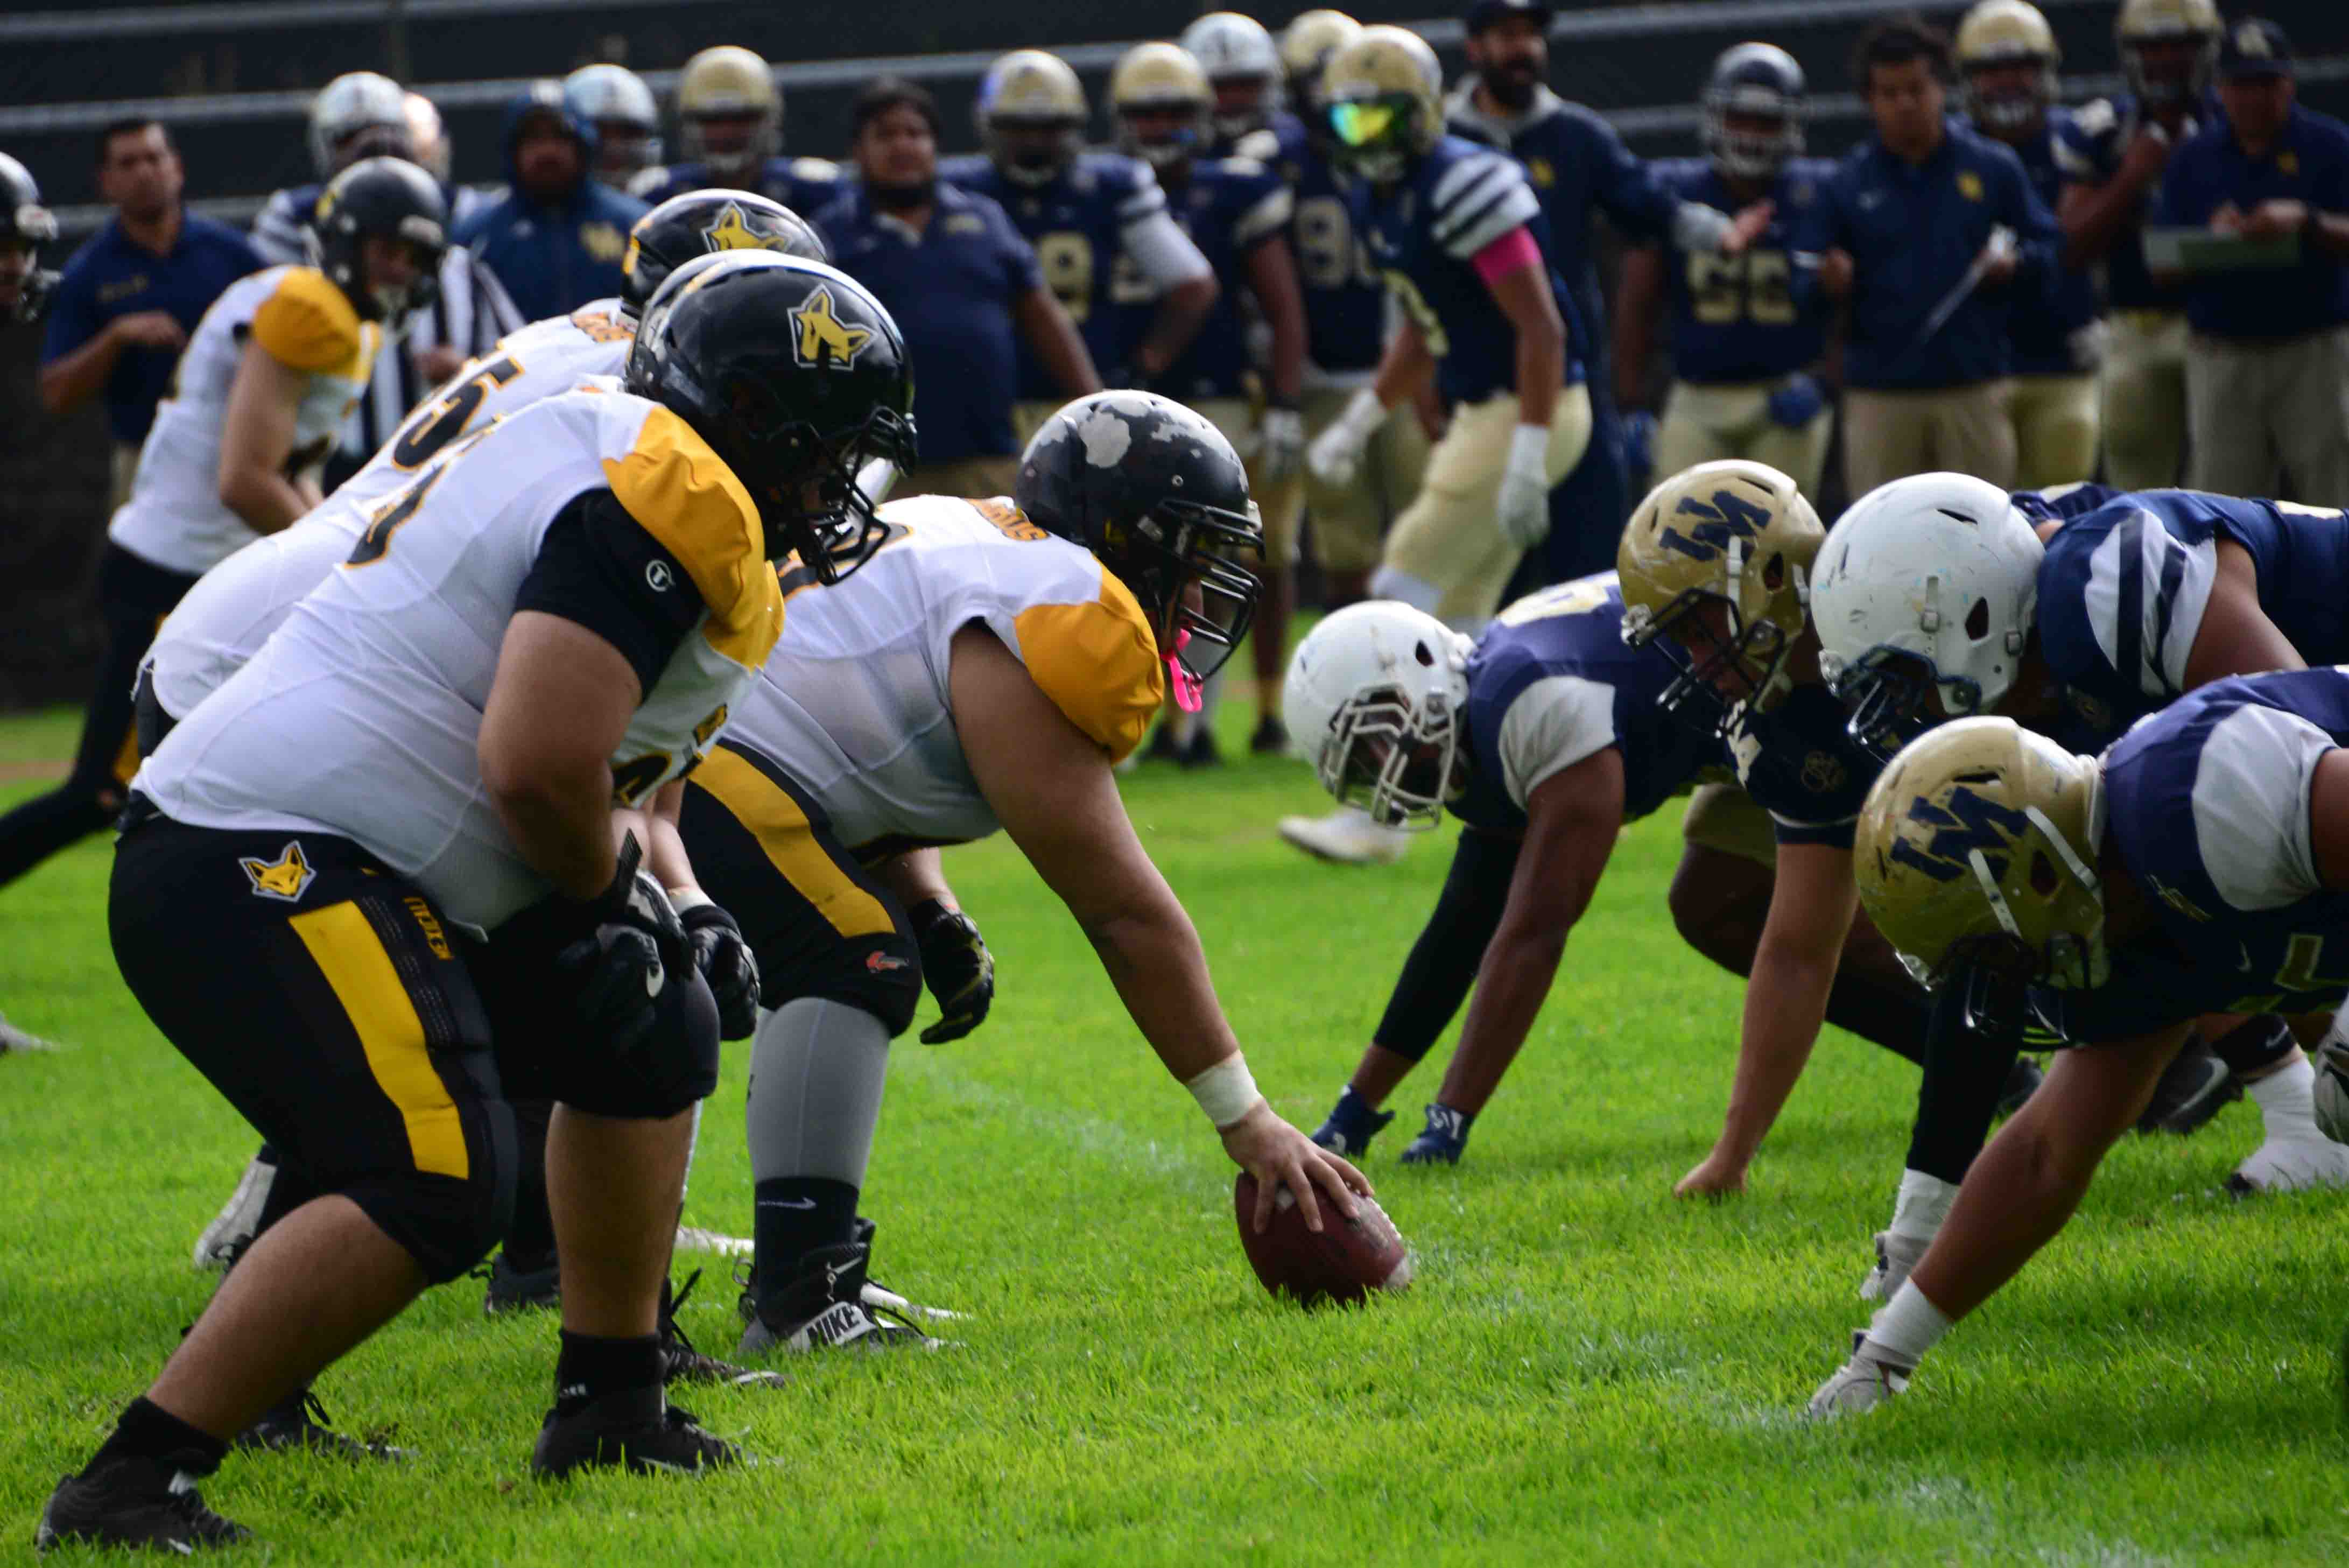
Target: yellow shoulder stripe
column 306, row 322
column 685, row 496
column 1098, row 662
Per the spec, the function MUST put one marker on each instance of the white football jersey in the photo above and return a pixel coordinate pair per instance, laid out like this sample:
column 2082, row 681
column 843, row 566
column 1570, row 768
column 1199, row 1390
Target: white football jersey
column 227, row 616
column 852, row 704
column 361, row 715
column 175, row 518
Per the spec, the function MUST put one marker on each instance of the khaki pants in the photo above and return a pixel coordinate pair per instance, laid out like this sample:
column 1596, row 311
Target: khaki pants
column 974, row 478
column 1722, row 817
column 1446, row 539
column 2055, row 421
column 2143, row 384
column 1706, row 425
column 1349, row 520
column 2254, row 408
column 1237, row 419
column 1891, row 435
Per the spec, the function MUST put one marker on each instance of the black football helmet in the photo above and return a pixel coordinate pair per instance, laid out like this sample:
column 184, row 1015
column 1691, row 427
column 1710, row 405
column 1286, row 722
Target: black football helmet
column 25, row 225
column 1158, row 493
column 796, row 377
column 388, row 198
column 1762, row 80
column 705, row 223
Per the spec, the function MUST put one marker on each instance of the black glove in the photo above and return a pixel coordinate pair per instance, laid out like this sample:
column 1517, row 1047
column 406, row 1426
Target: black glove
column 727, row 965
column 956, row 967
column 621, row 965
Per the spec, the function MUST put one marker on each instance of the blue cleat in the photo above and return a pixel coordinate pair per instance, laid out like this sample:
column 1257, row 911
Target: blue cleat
column 1442, row 1140
column 1352, row 1123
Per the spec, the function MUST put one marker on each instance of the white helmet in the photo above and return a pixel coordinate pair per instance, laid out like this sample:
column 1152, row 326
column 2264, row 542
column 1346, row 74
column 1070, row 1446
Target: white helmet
column 353, row 103
column 1927, row 581
column 617, row 103
column 1376, row 698
column 1232, row 48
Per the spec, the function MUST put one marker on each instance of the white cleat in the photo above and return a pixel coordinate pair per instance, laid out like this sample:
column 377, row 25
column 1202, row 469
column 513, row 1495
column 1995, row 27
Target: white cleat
column 232, row 1229
column 2292, row 1164
column 13, row 1039
column 882, row 1298
column 693, row 1239
column 1347, row 835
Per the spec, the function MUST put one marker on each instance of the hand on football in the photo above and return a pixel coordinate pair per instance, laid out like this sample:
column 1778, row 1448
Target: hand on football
column 1277, row 1155
column 1718, row 1175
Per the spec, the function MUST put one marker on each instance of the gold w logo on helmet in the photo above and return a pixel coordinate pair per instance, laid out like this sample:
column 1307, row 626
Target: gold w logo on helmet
column 823, row 334
column 1728, row 517
column 1969, row 821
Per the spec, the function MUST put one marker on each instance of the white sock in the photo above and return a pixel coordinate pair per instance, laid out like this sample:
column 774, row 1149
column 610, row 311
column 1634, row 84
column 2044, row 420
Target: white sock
column 1908, row 1326
column 2287, row 1100
column 1923, row 1203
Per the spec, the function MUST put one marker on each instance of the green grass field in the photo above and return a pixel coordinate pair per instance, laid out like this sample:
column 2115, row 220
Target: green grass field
column 1586, row 1371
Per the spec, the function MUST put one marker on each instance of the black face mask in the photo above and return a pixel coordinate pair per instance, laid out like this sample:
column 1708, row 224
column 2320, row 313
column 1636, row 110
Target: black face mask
column 899, row 198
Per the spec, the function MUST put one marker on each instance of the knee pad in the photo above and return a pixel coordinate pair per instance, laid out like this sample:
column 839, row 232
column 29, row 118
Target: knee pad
column 672, row 1068
column 448, row 1224
column 882, row 975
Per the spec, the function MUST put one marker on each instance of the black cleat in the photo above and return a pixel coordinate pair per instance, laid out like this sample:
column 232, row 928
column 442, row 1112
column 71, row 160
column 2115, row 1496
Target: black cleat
column 516, row 1289
column 148, row 1504
column 825, row 1307
column 299, row 1421
column 1200, row 751
column 2194, row 1088
column 1271, row 738
column 1163, row 747
column 2022, row 1081
column 681, row 1362
column 632, row 1427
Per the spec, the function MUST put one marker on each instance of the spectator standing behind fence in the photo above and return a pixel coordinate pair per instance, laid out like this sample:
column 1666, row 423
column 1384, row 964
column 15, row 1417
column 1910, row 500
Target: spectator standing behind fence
column 1928, row 229
column 2267, row 375
column 963, row 287
column 557, row 238
column 131, row 295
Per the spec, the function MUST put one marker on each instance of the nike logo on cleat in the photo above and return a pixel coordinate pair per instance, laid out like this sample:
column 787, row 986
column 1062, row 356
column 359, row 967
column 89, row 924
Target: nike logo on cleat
column 786, row 1202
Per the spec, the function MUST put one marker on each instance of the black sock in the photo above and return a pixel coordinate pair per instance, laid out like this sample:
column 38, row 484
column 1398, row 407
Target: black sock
column 588, row 1367
column 2254, row 1046
column 147, row 1430
column 267, row 1154
column 797, row 1214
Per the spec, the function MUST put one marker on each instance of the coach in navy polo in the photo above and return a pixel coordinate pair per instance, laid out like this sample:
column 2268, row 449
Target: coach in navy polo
column 961, row 280
column 131, row 297
column 2267, row 379
column 1897, row 227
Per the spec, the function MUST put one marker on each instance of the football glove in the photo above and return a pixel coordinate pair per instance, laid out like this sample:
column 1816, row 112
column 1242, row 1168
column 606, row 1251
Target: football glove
column 956, row 967
column 1523, row 511
column 1639, row 441
column 620, row 966
column 1872, row 1378
column 1796, row 402
column 726, row 962
column 1280, row 445
column 1895, row 1255
column 1336, row 452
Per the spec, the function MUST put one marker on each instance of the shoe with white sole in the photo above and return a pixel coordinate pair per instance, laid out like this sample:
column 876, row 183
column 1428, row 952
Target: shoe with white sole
column 2292, row 1165
column 231, row 1229
column 1347, row 835
column 824, row 1308
column 693, row 1239
column 14, row 1039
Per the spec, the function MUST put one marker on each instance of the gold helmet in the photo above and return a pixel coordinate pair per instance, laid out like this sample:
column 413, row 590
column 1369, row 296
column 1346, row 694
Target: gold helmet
column 1152, row 78
column 2146, row 23
column 1032, row 115
column 1384, row 93
column 1999, row 33
column 724, row 83
column 1306, row 46
column 1716, row 571
column 1978, row 845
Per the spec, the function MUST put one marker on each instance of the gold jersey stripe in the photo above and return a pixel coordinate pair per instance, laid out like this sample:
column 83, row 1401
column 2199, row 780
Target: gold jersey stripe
column 345, row 947
column 1099, row 663
column 309, row 323
column 780, row 824
column 685, row 496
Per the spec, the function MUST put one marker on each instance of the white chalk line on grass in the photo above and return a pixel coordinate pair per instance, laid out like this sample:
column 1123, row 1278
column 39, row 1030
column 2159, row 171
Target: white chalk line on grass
column 1094, row 1137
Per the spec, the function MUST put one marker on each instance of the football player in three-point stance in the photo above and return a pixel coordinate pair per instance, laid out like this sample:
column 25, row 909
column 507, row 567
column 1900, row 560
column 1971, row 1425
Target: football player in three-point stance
column 2200, row 865
column 987, row 670
column 388, row 873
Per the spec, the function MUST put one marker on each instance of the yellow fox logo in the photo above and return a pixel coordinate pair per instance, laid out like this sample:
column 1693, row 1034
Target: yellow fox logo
column 823, row 332
column 287, row 878
column 732, row 231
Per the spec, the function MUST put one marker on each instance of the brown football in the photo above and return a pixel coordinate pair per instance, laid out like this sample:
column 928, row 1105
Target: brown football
column 1345, row 1262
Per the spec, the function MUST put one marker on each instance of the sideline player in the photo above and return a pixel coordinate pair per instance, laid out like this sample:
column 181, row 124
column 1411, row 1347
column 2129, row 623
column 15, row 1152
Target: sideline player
column 1243, row 67
column 987, row 670
column 528, row 648
column 268, row 377
column 25, row 225
column 2198, row 866
column 729, row 118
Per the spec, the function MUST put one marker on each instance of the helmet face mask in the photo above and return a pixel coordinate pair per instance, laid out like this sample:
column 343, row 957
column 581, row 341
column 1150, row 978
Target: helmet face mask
column 1753, row 111
column 1162, row 101
column 1384, row 108
column 2167, row 49
column 729, row 112
column 1376, row 697
column 1242, row 66
column 626, row 119
column 1723, row 664
column 1889, row 693
column 1031, row 114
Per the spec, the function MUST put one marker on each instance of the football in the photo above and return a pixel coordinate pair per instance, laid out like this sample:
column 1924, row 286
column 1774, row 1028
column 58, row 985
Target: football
column 1345, row 1262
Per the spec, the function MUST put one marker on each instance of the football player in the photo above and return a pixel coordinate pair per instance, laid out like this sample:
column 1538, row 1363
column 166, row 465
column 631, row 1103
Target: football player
column 2111, row 154
column 2007, row 61
column 359, row 114
column 2198, row 865
column 25, row 225
column 1743, row 350
column 617, row 103
column 267, row 377
column 1238, row 212
column 388, row 873
column 987, row 670
column 1243, row 67
column 1099, row 222
column 730, row 122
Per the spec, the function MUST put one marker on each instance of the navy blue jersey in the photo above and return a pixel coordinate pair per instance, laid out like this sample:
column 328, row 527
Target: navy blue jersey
column 1551, row 682
column 2308, row 164
column 1801, row 765
column 2207, row 805
column 2044, row 318
column 1077, row 224
column 1228, row 206
column 1345, row 303
column 803, row 184
column 2090, row 142
column 2123, row 590
column 1424, row 232
column 1737, row 319
column 2062, row 502
column 114, row 275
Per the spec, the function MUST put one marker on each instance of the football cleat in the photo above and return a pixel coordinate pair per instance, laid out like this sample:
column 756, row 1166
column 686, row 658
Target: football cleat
column 299, row 1421
column 14, row 1039
column 1896, row 1256
column 1441, row 1141
column 2330, row 1093
column 681, row 1362
column 693, row 1239
column 2022, row 1081
column 141, row 1504
column 1271, row 738
column 513, row 1288
column 1163, row 747
column 2194, row 1088
column 824, row 1308
column 2292, row 1164
column 1346, row 836
column 1199, row 751
column 1351, row 1126
column 880, row 1297
column 631, row 1428
column 231, row 1229
column 1868, row 1379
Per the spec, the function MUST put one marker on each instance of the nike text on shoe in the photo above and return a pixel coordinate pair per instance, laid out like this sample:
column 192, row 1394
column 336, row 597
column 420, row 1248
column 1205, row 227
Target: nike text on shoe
column 825, row 1308
column 630, row 1427
column 136, row 1502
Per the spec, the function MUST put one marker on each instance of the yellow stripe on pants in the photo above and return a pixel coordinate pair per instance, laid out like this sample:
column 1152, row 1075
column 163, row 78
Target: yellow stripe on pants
column 345, row 947
column 776, row 821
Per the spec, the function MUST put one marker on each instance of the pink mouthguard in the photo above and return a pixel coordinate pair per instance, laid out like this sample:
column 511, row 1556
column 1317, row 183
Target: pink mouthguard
column 1186, row 687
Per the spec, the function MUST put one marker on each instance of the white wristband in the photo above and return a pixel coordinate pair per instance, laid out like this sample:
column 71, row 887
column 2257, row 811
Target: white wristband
column 684, row 899
column 1924, row 1202
column 1363, row 416
column 1226, row 1092
column 1530, row 451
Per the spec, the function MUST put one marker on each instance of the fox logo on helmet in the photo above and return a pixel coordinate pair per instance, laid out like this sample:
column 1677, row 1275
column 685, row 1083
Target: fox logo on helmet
column 823, row 338
column 734, row 231
column 1730, row 516
column 1970, row 822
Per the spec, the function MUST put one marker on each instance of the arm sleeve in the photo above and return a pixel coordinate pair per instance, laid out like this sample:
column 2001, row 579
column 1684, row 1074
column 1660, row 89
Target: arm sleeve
column 2034, row 225
column 1965, row 1075
column 1554, row 723
column 1478, row 200
column 596, row 566
column 1162, row 252
column 2126, row 634
column 1627, row 186
column 1443, row 963
column 73, row 317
